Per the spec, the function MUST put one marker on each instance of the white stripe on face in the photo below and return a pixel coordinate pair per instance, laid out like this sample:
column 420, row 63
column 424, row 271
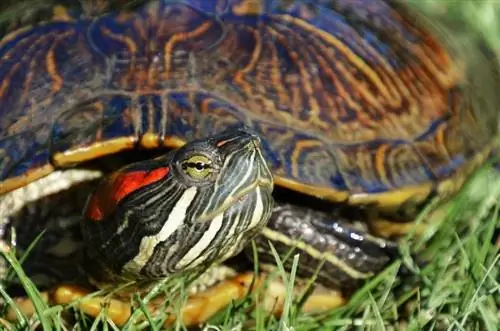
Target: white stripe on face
column 258, row 210
column 255, row 220
column 198, row 249
column 174, row 221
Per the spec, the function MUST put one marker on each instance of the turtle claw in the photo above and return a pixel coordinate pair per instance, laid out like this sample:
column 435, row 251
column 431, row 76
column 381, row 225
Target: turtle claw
column 270, row 296
column 116, row 310
column 200, row 307
column 24, row 306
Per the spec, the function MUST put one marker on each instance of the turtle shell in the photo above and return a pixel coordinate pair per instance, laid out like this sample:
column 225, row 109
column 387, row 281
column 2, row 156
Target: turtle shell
column 355, row 100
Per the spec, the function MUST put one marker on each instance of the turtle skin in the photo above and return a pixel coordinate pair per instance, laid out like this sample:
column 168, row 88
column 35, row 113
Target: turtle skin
column 357, row 104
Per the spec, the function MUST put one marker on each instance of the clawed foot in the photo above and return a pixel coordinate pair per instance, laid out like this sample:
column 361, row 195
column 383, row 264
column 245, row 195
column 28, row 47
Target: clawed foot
column 269, row 295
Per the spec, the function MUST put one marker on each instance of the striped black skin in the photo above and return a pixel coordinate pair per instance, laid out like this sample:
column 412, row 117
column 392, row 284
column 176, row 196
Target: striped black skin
column 330, row 247
column 197, row 222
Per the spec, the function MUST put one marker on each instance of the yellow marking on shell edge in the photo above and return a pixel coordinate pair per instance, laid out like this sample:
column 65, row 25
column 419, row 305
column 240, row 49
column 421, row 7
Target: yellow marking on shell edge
column 23, row 180
column 315, row 253
column 313, row 190
column 395, row 198
column 150, row 141
column 297, row 152
column 93, row 151
column 173, row 142
column 248, row 7
column 385, row 200
column 61, row 13
column 391, row 229
column 391, row 200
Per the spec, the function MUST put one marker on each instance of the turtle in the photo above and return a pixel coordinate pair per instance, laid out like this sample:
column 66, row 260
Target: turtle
column 321, row 127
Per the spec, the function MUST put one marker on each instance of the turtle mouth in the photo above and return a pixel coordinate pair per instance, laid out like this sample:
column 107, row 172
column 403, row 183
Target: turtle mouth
column 265, row 186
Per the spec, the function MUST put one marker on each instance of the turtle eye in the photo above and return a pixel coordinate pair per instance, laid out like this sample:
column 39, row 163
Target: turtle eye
column 197, row 167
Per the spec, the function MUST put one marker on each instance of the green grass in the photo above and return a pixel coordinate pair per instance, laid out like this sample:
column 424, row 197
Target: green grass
column 458, row 288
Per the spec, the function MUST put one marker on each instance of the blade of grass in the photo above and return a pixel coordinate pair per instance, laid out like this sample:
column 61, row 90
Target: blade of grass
column 30, row 288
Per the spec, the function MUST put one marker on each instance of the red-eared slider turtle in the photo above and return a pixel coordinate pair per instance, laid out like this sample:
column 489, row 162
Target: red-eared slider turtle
column 362, row 115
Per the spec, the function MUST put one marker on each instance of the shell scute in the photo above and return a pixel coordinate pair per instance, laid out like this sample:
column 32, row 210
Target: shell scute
column 365, row 99
column 21, row 153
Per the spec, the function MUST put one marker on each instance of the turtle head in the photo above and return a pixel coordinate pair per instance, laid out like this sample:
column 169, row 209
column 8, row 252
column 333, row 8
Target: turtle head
column 192, row 207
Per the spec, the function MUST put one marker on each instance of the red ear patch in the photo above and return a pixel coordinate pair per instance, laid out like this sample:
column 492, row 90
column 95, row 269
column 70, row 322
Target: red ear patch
column 117, row 187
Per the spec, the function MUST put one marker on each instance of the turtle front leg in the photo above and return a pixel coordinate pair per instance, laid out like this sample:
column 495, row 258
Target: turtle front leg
column 117, row 310
column 270, row 294
column 342, row 255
